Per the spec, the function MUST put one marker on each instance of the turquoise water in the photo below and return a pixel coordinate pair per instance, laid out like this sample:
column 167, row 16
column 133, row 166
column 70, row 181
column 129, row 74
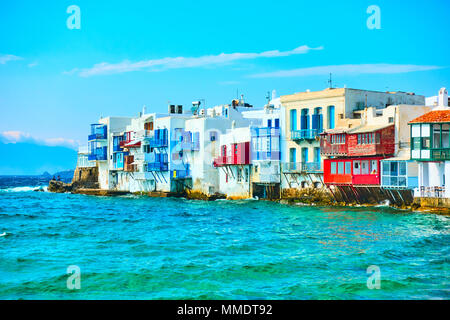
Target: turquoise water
column 155, row 248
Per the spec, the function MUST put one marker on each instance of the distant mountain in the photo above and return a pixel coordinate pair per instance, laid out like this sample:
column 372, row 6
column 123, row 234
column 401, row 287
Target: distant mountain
column 24, row 158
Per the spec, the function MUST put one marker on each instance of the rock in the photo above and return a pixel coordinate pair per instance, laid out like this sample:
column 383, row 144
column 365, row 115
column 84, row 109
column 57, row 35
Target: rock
column 59, row 186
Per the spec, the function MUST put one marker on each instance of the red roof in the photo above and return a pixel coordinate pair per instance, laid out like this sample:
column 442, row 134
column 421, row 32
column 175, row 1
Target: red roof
column 433, row 116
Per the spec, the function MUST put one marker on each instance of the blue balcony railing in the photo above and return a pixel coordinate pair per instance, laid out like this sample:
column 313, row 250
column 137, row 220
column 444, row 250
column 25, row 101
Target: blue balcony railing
column 98, row 154
column 304, row 134
column 158, row 143
column 157, row 166
column 181, row 174
column 98, row 131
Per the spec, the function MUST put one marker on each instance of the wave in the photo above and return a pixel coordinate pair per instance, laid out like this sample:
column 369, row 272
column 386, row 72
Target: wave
column 24, row 189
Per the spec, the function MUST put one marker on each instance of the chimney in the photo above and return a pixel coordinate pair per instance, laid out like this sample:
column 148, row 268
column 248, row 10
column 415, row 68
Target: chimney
column 443, row 98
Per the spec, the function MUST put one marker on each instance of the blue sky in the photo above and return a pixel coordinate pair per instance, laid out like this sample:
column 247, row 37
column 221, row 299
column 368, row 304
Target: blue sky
column 55, row 81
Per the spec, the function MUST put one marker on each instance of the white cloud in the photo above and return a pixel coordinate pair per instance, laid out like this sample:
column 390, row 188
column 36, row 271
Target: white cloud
column 19, row 136
column 4, row 58
column 347, row 69
column 33, row 64
column 153, row 65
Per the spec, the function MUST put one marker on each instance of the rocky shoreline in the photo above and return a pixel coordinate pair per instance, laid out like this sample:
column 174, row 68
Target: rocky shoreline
column 85, row 182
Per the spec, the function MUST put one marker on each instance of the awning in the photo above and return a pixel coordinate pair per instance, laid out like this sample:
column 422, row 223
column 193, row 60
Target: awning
column 133, row 143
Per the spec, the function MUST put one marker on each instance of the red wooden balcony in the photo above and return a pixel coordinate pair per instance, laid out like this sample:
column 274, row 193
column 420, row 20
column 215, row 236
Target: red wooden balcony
column 240, row 155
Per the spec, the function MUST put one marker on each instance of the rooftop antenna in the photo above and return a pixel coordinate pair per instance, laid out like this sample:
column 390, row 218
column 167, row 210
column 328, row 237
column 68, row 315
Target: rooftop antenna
column 268, row 97
column 330, row 82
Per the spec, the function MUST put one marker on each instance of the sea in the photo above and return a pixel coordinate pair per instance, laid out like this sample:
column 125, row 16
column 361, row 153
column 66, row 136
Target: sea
column 68, row 246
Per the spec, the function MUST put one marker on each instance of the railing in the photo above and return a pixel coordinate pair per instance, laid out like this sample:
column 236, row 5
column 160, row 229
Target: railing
column 158, row 142
column 304, row 134
column 307, row 167
column 98, row 154
column 311, row 167
column 143, row 134
column 96, row 136
column 432, row 192
column 157, row 166
column 147, row 157
column 180, row 174
column 98, row 131
column 440, row 154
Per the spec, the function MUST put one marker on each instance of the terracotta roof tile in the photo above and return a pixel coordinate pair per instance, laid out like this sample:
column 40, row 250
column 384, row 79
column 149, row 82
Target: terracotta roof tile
column 433, row 116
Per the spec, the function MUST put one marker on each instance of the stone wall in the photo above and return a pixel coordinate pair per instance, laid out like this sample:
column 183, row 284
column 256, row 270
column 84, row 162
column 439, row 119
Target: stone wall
column 85, row 178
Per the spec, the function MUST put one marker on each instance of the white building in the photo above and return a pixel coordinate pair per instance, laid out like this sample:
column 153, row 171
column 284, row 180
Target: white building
column 430, row 147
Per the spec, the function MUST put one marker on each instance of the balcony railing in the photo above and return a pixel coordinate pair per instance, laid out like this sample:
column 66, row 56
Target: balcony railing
column 432, row 192
column 304, row 134
column 440, row 154
column 98, row 131
column 98, row 154
column 299, row 167
column 181, row 174
column 157, row 166
column 158, row 142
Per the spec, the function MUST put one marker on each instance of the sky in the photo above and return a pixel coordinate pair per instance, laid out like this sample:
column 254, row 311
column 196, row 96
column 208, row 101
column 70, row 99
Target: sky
column 55, row 81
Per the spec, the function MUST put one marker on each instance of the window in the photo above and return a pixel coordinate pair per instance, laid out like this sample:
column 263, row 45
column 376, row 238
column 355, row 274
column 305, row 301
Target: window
column 277, row 123
column 415, row 130
column 340, row 167
column 348, row 167
column 333, row 167
column 425, row 142
column 402, row 168
column 239, row 174
column 269, row 123
column 374, row 167
column 246, row 173
column 445, row 136
column 436, row 136
column 391, row 119
column 416, row 143
column 356, row 167
column 386, row 168
column 365, row 167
